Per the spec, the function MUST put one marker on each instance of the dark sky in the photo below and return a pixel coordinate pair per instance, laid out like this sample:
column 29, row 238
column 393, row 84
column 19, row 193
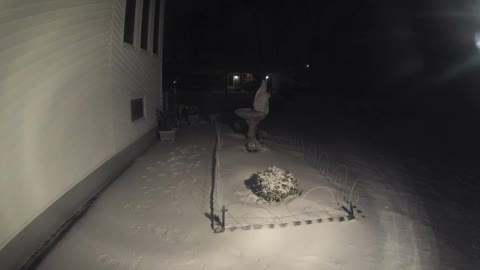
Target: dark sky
column 260, row 30
column 401, row 37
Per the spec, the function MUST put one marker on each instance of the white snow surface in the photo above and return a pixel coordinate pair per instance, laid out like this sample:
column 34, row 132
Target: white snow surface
column 155, row 216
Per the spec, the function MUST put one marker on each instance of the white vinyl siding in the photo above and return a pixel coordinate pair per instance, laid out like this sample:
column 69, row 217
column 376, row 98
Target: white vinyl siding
column 66, row 81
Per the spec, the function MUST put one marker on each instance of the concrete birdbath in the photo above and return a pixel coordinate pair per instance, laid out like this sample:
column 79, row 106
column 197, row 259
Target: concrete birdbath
column 252, row 118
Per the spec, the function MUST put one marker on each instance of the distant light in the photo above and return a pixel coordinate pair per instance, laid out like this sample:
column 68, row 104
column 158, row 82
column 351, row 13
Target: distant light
column 307, row 66
column 174, row 82
column 236, row 77
column 477, row 40
column 267, row 77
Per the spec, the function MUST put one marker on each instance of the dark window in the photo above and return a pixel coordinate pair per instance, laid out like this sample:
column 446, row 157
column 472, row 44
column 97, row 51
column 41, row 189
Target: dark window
column 145, row 20
column 136, row 108
column 129, row 28
column 156, row 26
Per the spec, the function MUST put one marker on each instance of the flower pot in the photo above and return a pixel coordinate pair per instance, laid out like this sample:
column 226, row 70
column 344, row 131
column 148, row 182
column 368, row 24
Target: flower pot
column 167, row 135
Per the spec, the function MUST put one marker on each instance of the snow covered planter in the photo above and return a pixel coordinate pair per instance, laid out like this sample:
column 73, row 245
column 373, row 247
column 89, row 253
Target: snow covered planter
column 274, row 184
column 254, row 146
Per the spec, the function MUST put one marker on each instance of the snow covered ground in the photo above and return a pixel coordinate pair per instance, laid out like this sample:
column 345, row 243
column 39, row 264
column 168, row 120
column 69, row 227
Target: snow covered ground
column 155, row 216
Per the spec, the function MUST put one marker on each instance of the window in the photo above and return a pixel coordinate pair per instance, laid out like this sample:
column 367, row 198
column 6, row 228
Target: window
column 145, row 20
column 129, row 27
column 136, row 108
column 156, row 26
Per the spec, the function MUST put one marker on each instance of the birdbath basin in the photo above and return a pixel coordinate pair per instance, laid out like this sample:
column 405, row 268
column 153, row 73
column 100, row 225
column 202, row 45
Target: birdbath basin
column 252, row 118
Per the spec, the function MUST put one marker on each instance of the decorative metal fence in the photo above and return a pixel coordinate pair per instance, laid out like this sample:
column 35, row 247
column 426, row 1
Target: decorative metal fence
column 339, row 204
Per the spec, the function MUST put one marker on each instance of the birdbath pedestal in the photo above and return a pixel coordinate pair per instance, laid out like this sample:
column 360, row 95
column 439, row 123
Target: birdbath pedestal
column 252, row 118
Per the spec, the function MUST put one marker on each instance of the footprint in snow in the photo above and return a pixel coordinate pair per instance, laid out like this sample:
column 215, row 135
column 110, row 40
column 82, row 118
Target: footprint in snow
column 157, row 230
column 194, row 156
column 106, row 259
column 135, row 228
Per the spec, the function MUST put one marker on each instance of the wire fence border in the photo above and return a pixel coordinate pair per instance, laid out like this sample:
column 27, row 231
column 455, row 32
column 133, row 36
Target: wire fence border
column 311, row 156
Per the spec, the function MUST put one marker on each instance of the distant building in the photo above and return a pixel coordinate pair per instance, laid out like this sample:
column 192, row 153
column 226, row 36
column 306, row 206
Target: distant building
column 240, row 81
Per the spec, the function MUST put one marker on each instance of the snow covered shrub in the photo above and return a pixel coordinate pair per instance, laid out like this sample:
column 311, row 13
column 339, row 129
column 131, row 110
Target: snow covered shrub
column 254, row 146
column 274, row 184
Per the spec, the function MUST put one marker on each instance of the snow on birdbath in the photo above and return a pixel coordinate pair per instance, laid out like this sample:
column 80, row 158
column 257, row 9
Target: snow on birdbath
column 252, row 118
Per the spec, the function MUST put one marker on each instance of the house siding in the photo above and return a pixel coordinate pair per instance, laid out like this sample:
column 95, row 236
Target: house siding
column 66, row 80
column 135, row 73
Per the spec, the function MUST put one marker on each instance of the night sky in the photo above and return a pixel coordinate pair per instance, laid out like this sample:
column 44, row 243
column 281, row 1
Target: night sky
column 384, row 41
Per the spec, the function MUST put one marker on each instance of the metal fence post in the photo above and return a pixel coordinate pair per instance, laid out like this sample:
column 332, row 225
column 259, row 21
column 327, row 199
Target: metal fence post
column 224, row 210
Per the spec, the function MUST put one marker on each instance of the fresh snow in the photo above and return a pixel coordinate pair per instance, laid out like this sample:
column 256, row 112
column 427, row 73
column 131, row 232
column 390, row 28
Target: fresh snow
column 155, row 216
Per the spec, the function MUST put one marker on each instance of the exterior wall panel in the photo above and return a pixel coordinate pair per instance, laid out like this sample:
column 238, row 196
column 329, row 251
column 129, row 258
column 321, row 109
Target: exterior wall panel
column 135, row 73
column 66, row 80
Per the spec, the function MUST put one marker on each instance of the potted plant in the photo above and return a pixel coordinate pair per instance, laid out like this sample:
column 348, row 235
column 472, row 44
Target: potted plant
column 165, row 127
column 193, row 116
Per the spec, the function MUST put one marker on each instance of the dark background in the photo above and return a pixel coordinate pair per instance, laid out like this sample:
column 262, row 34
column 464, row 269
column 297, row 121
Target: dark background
column 376, row 44
column 403, row 67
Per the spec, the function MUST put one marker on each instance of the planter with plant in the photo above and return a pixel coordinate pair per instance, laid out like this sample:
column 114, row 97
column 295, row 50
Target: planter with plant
column 165, row 127
column 193, row 114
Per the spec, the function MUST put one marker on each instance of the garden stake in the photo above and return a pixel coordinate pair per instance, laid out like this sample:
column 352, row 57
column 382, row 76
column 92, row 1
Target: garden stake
column 351, row 215
column 224, row 210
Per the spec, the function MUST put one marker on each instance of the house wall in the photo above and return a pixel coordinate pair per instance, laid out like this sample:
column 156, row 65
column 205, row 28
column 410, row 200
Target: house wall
column 135, row 73
column 66, row 80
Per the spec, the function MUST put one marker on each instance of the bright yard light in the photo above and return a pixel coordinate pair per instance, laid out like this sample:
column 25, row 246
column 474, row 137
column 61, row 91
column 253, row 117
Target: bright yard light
column 267, row 77
column 477, row 40
column 236, row 77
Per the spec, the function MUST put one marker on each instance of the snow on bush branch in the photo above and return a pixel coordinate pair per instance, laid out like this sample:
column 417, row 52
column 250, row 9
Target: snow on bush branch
column 274, row 184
